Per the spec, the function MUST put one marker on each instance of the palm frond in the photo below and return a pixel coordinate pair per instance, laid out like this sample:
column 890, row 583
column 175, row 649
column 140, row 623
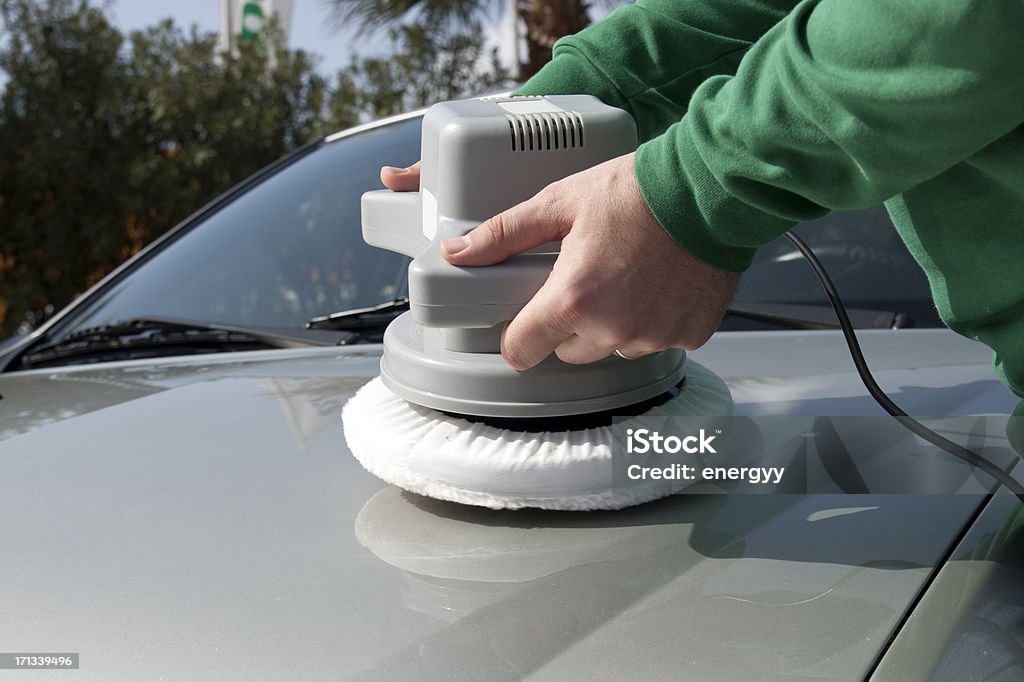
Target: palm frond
column 370, row 16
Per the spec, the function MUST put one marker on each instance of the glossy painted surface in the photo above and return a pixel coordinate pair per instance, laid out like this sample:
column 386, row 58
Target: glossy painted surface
column 202, row 518
column 970, row 622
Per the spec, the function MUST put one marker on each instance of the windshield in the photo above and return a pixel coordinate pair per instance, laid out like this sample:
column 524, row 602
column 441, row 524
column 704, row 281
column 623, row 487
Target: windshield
column 291, row 249
column 864, row 256
column 287, row 250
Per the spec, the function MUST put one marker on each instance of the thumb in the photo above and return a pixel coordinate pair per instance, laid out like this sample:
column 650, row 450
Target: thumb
column 518, row 229
column 401, row 179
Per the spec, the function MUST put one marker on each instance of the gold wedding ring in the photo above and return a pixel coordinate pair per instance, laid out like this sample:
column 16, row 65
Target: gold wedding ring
column 624, row 356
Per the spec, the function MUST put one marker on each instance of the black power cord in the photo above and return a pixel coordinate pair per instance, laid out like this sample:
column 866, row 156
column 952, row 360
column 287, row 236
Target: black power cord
column 911, row 424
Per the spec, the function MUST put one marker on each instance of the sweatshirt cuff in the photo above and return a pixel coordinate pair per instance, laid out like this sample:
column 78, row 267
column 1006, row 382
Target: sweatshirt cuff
column 694, row 208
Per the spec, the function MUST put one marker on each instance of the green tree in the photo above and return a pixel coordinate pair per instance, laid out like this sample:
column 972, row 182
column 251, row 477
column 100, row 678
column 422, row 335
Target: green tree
column 425, row 65
column 541, row 22
column 63, row 119
column 201, row 121
column 108, row 143
column 109, row 140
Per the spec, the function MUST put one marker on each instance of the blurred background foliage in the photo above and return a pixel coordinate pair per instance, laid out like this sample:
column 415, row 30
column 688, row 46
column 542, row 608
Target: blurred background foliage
column 538, row 23
column 108, row 140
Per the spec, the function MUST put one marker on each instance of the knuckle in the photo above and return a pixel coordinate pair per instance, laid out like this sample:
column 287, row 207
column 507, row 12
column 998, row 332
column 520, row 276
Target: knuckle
column 554, row 215
column 496, row 229
column 575, row 306
column 514, row 354
column 548, row 198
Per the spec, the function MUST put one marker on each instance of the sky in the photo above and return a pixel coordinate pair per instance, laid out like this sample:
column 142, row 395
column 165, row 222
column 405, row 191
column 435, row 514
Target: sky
column 311, row 28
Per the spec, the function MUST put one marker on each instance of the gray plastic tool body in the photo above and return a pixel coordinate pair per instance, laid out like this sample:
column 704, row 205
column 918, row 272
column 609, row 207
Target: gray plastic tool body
column 479, row 158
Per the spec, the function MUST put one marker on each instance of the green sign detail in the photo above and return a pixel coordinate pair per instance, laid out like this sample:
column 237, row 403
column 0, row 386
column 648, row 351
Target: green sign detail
column 253, row 20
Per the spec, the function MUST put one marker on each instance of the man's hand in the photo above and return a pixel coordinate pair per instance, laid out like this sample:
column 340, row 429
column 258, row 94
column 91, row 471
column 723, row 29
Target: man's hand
column 620, row 282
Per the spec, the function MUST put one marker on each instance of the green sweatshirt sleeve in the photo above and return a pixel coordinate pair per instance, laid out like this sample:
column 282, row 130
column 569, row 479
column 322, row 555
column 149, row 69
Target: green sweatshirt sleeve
column 842, row 105
column 649, row 57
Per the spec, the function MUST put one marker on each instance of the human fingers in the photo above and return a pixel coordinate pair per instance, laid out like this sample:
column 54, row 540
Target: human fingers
column 579, row 350
column 401, row 179
column 521, row 228
column 540, row 327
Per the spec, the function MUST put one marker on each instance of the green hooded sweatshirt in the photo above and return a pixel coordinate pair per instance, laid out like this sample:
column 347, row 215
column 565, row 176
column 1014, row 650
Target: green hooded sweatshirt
column 754, row 116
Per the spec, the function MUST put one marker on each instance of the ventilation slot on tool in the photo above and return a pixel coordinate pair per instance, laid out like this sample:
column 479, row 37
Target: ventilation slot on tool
column 544, row 131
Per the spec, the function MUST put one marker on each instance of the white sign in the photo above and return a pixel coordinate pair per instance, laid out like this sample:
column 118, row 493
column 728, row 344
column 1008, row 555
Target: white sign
column 247, row 20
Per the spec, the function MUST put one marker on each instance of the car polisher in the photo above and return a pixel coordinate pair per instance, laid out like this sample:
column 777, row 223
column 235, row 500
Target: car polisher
column 448, row 417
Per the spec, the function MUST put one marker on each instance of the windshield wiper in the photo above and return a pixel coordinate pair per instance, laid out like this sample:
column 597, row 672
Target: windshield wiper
column 373, row 318
column 790, row 315
column 801, row 316
column 155, row 337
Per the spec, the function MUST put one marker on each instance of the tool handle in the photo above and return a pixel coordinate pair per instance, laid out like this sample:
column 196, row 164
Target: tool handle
column 393, row 221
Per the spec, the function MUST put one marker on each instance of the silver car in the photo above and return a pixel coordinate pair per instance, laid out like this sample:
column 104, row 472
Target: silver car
column 177, row 500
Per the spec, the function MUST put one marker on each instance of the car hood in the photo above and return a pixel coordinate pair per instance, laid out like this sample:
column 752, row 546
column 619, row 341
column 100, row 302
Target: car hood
column 202, row 517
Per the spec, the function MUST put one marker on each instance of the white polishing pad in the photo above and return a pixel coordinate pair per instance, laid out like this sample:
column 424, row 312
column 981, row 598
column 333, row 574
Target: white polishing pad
column 450, row 458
